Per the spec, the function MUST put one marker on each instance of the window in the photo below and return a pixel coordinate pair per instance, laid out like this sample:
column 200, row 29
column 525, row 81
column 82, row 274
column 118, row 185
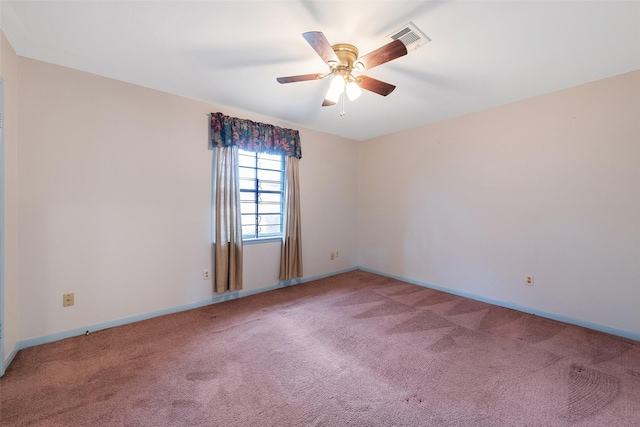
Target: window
column 261, row 194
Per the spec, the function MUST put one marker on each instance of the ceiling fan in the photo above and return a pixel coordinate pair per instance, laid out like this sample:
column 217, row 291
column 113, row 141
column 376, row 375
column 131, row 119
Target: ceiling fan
column 343, row 60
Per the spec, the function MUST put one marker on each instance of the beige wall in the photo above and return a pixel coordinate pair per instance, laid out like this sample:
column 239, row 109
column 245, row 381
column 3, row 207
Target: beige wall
column 115, row 195
column 115, row 201
column 9, row 73
column 548, row 187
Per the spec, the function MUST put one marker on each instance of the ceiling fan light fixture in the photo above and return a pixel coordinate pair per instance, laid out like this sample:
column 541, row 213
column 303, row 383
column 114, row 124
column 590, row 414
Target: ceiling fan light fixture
column 342, row 59
column 337, row 84
column 336, row 88
column 353, row 91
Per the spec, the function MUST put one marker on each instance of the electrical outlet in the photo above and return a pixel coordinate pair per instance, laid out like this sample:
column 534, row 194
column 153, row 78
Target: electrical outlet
column 68, row 300
column 529, row 281
column 332, row 256
column 205, row 275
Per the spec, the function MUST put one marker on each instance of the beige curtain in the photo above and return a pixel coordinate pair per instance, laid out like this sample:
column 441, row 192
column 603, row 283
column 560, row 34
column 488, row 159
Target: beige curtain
column 291, row 260
column 227, row 225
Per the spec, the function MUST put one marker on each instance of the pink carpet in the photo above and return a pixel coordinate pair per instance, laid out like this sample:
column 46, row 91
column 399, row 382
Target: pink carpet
column 355, row 349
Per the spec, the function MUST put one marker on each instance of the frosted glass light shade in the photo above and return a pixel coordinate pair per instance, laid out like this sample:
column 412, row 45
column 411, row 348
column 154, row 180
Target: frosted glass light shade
column 336, row 89
column 353, row 91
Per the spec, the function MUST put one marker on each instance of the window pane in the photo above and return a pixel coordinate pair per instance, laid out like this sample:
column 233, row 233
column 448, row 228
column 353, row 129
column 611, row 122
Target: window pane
column 270, row 186
column 248, row 208
column 265, row 220
column 249, row 173
column 248, row 232
column 266, row 208
column 249, row 220
column 266, row 156
column 270, row 230
column 248, row 196
column 249, row 161
column 269, row 175
column 247, row 184
column 270, row 198
column 267, row 171
column 270, row 164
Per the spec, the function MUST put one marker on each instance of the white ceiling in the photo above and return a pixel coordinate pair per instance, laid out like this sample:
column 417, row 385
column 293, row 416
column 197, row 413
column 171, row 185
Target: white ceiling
column 229, row 53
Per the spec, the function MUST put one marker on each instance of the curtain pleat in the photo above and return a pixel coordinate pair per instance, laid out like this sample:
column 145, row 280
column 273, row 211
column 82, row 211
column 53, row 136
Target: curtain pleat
column 227, row 224
column 291, row 259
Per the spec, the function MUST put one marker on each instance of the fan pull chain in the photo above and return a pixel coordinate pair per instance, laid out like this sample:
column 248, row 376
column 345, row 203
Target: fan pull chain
column 342, row 113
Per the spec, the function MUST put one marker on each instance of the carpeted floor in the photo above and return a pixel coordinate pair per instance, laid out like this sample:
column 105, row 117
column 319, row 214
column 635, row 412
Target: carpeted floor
column 355, row 349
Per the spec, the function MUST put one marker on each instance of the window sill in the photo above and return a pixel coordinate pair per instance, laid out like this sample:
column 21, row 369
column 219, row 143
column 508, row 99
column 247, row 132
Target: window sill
column 265, row 240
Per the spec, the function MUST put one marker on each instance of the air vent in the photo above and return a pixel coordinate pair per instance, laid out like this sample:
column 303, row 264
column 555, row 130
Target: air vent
column 411, row 36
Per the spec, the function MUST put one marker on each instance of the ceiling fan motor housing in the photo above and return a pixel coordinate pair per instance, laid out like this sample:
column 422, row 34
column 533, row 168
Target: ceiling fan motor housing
column 347, row 54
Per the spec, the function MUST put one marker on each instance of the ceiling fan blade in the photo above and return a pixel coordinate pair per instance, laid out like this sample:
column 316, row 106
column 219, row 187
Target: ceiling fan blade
column 383, row 54
column 300, row 78
column 376, row 86
column 327, row 103
column 321, row 45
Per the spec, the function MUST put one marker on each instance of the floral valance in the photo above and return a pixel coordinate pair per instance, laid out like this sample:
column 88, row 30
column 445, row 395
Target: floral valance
column 254, row 136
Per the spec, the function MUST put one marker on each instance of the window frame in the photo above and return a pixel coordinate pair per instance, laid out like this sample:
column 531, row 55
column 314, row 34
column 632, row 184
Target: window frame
column 256, row 237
